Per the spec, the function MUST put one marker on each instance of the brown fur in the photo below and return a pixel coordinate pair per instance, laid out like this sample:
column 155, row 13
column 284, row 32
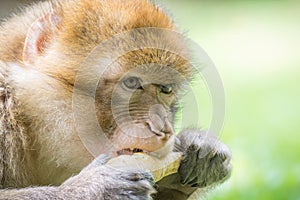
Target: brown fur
column 13, row 140
column 84, row 25
column 80, row 31
column 39, row 143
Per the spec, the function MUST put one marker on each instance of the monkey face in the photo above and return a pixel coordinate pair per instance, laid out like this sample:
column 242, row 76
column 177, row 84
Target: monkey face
column 141, row 104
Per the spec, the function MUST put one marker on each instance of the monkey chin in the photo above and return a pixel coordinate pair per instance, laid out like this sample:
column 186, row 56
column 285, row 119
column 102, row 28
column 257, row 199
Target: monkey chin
column 130, row 139
column 165, row 150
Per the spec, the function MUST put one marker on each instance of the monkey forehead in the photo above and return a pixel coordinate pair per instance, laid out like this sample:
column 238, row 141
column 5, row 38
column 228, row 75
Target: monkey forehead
column 158, row 74
column 151, row 64
column 158, row 62
column 88, row 23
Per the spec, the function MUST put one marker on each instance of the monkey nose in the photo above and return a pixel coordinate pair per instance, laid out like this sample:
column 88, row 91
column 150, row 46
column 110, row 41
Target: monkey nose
column 159, row 123
column 160, row 127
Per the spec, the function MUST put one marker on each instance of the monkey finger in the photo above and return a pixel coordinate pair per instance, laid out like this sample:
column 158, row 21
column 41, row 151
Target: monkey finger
column 187, row 169
column 140, row 189
column 138, row 176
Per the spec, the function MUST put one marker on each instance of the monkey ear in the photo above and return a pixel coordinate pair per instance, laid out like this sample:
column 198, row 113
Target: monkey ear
column 38, row 36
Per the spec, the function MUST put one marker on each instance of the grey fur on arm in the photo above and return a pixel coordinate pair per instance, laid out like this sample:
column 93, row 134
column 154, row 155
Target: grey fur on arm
column 96, row 181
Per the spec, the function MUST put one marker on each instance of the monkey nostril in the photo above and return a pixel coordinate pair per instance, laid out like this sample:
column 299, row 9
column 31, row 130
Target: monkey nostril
column 154, row 129
column 163, row 132
column 156, row 124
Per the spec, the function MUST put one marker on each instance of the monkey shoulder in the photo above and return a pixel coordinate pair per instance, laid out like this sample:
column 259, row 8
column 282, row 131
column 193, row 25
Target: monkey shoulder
column 6, row 102
column 12, row 137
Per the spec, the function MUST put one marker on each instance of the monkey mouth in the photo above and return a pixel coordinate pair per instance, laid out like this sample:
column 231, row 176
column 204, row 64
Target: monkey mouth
column 131, row 151
column 131, row 138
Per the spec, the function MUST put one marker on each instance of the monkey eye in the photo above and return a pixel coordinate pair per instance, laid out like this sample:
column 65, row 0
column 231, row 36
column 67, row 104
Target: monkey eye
column 166, row 89
column 132, row 83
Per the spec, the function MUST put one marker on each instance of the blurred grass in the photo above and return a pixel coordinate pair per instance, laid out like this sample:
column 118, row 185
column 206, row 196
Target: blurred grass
column 256, row 48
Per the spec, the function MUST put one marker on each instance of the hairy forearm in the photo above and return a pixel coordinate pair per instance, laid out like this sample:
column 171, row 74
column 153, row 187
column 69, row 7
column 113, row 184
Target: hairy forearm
column 34, row 193
column 48, row 193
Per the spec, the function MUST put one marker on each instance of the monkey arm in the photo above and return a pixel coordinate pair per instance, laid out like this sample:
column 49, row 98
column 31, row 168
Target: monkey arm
column 96, row 181
column 32, row 193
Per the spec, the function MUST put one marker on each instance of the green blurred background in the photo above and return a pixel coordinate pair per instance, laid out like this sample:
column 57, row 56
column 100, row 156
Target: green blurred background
column 256, row 48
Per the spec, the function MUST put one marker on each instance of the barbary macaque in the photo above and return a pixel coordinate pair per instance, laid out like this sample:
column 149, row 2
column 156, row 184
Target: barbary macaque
column 43, row 54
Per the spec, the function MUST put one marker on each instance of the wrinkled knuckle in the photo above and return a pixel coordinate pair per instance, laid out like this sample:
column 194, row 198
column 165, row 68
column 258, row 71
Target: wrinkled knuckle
column 193, row 148
column 224, row 154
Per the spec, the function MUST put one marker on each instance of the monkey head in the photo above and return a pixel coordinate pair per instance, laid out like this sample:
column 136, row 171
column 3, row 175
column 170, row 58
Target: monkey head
column 130, row 70
column 137, row 92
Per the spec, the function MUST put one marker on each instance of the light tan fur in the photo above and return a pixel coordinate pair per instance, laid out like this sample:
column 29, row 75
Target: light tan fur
column 39, row 142
column 79, row 32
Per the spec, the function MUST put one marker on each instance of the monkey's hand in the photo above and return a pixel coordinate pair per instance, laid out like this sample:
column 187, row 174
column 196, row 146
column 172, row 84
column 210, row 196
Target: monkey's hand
column 96, row 181
column 206, row 160
column 206, row 163
column 100, row 181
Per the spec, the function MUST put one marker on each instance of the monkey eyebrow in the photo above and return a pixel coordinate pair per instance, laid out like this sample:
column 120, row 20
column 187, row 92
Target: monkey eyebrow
column 166, row 85
column 108, row 81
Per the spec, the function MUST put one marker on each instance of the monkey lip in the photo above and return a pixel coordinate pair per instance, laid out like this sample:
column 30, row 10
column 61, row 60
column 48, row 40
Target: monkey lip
column 130, row 138
column 131, row 151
